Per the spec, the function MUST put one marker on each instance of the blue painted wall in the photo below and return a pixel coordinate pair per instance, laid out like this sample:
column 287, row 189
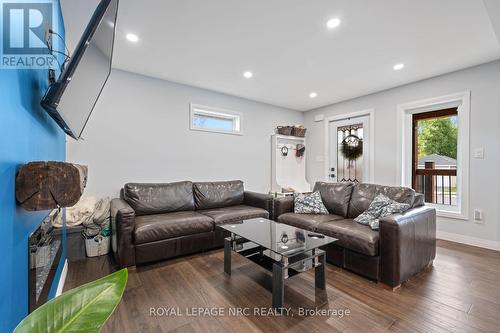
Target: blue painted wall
column 27, row 133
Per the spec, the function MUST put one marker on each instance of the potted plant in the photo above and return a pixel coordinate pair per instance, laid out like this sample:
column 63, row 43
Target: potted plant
column 82, row 309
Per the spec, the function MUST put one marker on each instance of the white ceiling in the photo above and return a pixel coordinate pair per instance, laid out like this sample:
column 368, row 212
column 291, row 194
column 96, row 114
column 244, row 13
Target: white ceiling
column 287, row 46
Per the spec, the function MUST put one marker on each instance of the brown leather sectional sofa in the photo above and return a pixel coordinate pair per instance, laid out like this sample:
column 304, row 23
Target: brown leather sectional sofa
column 403, row 245
column 151, row 222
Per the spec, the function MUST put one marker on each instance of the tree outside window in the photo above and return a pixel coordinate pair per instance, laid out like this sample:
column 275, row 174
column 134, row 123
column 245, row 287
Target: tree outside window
column 438, row 136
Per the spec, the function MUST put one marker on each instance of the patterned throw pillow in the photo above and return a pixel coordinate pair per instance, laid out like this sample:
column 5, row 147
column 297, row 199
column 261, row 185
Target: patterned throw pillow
column 310, row 203
column 380, row 207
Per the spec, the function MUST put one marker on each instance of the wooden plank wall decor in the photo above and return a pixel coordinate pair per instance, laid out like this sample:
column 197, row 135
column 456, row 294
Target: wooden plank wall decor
column 49, row 185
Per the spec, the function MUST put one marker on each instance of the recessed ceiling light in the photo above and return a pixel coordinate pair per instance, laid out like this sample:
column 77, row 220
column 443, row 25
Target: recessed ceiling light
column 313, row 95
column 248, row 74
column 333, row 23
column 132, row 38
column 398, row 67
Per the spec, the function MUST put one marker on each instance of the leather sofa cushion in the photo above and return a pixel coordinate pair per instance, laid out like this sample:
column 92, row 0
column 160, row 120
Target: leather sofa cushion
column 352, row 235
column 151, row 228
column 234, row 213
column 335, row 196
column 363, row 195
column 218, row 194
column 306, row 221
column 159, row 198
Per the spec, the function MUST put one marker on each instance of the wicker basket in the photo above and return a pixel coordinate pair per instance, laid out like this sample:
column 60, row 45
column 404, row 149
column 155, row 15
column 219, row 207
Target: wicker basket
column 299, row 131
column 284, row 130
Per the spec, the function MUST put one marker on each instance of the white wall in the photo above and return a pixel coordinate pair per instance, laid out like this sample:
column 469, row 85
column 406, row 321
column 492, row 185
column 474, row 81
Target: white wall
column 484, row 83
column 139, row 132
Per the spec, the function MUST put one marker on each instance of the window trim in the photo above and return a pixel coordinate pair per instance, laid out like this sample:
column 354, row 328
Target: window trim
column 198, row 109
column 461, row 101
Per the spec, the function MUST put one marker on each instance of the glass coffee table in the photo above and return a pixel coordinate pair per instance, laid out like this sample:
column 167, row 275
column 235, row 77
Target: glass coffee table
column 279, row 248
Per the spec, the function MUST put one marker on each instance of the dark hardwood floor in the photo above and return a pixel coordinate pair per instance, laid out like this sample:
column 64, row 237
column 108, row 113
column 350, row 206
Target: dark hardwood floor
column 459, row 293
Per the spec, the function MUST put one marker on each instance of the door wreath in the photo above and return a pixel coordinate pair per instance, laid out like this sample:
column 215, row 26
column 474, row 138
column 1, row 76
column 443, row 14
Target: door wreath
column 352, row 147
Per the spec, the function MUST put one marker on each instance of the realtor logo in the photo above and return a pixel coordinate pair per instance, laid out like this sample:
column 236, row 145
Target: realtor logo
column 24, row 34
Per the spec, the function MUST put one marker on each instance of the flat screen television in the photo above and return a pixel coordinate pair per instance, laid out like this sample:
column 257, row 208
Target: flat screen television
column 71, row 99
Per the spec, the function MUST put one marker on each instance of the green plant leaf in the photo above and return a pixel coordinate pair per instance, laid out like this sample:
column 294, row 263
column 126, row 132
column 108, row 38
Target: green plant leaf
column 82, row 309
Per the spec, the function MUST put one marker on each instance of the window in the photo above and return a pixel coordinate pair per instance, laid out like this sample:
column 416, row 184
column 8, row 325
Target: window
column 434, row 163
column 204, row 118
column 447, row 177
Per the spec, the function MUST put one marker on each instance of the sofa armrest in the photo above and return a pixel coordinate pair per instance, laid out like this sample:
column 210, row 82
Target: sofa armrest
column 407, row 244
column 283, row 205
column 259, row 200
column 122, row 227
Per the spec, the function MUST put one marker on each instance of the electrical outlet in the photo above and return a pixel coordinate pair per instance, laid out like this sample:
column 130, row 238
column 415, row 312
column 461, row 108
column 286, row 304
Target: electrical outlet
column 478, row 216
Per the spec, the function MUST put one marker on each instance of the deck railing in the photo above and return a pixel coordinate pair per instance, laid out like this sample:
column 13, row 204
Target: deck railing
column 439, row 186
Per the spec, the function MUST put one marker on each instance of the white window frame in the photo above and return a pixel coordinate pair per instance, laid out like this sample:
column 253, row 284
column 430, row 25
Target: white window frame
column 236, row 117
column 461, row 101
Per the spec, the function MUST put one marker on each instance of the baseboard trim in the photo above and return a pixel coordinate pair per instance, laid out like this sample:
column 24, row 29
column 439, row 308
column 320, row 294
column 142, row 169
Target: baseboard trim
column 62, row 279
column 457, row 238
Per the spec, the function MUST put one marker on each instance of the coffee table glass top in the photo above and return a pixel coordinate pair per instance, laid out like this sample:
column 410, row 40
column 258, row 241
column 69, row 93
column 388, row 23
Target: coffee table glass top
column 280, row 238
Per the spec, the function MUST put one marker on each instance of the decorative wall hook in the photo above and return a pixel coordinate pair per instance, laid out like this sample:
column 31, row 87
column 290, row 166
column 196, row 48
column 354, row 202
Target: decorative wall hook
column 284, row 150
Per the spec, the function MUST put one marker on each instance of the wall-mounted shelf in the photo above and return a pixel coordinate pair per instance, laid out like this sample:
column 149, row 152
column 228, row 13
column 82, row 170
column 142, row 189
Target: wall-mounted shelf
column 49, row 185
column 291, row 137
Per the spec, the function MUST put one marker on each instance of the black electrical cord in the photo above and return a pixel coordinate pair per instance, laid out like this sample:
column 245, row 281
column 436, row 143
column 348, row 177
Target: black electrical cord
column 66, row 57
column 62, row 39
column 52, row 54
column 52, row 51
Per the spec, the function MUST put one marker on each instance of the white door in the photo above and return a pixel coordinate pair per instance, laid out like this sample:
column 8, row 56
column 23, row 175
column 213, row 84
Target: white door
column 349, row 150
